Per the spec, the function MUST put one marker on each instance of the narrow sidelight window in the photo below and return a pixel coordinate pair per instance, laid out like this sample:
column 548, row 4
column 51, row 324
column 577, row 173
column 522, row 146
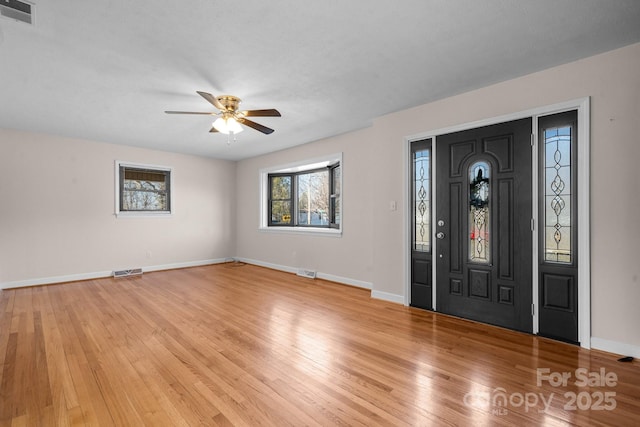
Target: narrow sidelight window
column 558, row 207
column 558, row 237
column 422, row 200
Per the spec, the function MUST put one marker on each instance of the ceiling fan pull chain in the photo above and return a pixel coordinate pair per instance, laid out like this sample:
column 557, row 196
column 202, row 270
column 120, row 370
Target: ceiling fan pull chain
column 229, row 135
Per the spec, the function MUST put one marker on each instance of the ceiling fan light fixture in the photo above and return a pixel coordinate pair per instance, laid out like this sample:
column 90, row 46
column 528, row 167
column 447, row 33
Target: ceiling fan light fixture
column 227, row 125
column 229, row 118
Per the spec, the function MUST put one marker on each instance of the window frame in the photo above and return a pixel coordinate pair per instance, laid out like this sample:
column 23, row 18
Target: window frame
column 291, row 199
column 294, row 197
column 119, row 182
column 324, row 163
column 335, row 195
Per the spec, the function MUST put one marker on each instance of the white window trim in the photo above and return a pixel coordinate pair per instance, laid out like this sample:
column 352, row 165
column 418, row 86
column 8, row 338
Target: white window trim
column 139, row 214
column 309, row 164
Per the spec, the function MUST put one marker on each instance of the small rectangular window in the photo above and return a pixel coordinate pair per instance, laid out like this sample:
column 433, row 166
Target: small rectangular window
column 143, row 189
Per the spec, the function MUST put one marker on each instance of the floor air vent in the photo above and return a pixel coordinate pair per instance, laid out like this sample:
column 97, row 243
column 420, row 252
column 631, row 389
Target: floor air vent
column 17, row 10
column 125, row 273
column 306, row 273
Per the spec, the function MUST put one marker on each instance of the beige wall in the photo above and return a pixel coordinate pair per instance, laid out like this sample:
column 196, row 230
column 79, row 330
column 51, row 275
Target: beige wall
column 348, row 257
column 57, row 210
column 372, row 248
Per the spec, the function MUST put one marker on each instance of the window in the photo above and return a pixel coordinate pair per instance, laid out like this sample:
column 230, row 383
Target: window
column 142, row 189
column 312, row 198
column 479, row 213
column 334, row 198
column 281, row 199
column 305, row 196
column 558, row 196
column 421, row 197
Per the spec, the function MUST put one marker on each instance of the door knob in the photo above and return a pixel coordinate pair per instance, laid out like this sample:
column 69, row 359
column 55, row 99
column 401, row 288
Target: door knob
column 440, row 235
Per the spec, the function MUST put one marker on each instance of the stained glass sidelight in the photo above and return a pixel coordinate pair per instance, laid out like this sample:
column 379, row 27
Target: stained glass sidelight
column 422, row 196
column 479, row 213
column 557, row 195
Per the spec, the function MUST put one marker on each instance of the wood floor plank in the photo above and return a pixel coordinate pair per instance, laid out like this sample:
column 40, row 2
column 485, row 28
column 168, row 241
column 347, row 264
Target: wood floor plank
column 236, row 344
column 8, row 394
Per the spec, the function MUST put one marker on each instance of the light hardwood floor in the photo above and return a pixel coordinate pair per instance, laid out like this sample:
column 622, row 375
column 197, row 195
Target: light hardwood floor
column 235, row 344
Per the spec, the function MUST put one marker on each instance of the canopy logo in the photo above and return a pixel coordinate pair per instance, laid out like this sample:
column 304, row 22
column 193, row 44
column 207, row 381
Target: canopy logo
column 500, row 401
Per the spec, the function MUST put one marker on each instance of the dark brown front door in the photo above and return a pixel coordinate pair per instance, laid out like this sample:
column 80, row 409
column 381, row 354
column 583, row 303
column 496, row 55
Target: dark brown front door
column 483, row 248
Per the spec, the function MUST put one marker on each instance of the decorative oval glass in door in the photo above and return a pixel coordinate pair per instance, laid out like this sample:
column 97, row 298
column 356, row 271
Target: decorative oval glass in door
column 479, row 213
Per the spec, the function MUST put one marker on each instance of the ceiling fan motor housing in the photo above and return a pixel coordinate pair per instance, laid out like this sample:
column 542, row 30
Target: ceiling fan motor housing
column 230, row 102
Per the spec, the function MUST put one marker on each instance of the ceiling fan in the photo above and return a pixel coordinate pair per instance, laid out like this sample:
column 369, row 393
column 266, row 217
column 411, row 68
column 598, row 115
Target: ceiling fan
column 229, row 118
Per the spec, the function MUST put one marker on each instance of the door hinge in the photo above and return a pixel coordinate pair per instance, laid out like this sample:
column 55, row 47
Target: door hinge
column 533, row 141
column 533, row 309
column 533, row 224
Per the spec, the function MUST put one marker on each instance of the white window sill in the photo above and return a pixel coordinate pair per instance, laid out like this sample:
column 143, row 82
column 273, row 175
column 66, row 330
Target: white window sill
column 163, row 214
column 332, row 232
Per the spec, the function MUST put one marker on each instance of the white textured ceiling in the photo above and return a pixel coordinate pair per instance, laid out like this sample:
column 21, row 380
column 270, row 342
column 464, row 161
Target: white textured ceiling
column 107, row 70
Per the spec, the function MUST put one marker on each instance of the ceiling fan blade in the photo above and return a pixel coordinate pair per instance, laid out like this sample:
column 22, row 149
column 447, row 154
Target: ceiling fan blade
column 213, row 130
column 262, row 113
column 190, row 112
column 256, row 126
column 212, row 99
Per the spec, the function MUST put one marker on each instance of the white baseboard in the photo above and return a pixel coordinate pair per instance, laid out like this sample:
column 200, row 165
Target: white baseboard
column 319, row 275
column 615, row 347
column 55, row 279
column 186, row 264
column 345, row 280
column 386, row 296
column 268, row 265
column 101, row 274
